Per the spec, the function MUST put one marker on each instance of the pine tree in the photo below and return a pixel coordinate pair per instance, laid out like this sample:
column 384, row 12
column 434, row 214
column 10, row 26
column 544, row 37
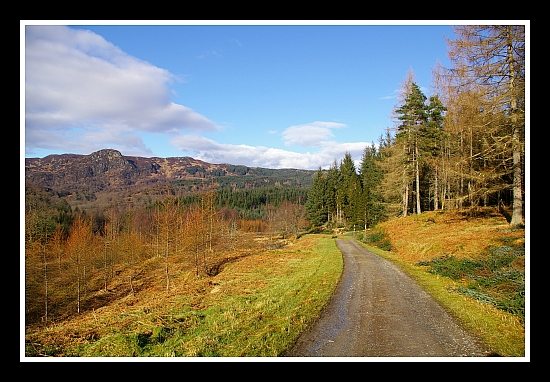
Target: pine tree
column 413, row 116
column 349, row 191
column 432, row 143
column 332, row 181
column 316, row 205
column 371, row 177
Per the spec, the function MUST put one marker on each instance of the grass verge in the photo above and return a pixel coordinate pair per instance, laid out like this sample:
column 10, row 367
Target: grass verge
column 256, row 306
column 502, row 332
column 498, row 278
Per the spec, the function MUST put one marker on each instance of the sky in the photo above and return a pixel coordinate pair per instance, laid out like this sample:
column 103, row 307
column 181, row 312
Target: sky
column 277, row 96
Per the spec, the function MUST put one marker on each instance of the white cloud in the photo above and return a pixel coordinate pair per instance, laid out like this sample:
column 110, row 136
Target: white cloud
column 317, row 135
column 261, row 156
column 398, row 93
column 313, row 134
column 83, row 93
column 85, row 141
column 394, row 95
column 209, row 54
column 237, row 42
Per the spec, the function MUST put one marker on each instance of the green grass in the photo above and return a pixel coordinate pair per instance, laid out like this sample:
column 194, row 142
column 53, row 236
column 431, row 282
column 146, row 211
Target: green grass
column 451, row 267
column 502, row 332
column 377, row 237
column 257, row 306
column 497, row 277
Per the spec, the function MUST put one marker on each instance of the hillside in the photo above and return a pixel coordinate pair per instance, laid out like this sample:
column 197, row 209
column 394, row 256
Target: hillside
column 460, row 234
column 256, row 305
column 109, row 175
column 472, row 262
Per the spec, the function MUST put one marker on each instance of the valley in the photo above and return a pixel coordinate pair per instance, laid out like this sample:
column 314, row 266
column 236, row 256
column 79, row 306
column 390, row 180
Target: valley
column 326, row 191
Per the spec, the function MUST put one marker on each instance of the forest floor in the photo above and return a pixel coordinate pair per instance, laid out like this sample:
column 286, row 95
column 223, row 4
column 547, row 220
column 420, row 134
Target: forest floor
column 256, row 305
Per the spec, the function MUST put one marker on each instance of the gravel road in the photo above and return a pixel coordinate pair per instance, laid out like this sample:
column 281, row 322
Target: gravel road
column 377, row 310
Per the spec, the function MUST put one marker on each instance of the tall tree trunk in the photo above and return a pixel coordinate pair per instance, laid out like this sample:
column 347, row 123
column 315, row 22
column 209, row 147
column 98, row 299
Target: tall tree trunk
column 406, row 200
column 157, row 246
column 131, row 284
column 45, row 284
column 418, row 210
column 444, row 180
column 105, row 271
column 405, row 183
column 78, row 284
column 473, row 183
column 436, row 192
column 211, row 225
column 517, row 213
column 166, row 261
column 84, row 283
column 177, row 231
column 461, row 168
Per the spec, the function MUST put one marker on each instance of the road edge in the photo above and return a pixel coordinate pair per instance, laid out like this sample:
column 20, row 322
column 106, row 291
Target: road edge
column 466, row 325
column 323, row 310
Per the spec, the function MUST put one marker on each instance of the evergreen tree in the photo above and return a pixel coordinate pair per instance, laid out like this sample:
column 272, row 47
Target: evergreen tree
column 349, row 191
column 371, row 177
column 413, row 116
column 332, row 180
column 316, row 205
column 432, row 144
column 392, row 164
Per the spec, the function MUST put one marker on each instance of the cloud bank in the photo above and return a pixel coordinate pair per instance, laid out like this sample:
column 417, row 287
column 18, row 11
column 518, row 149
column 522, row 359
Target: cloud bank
column 310, row 134
column 83, row 93
column 261, row 156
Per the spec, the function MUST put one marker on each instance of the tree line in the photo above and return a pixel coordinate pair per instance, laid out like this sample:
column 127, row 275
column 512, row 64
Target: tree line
column 464, row 146
column 253, row 203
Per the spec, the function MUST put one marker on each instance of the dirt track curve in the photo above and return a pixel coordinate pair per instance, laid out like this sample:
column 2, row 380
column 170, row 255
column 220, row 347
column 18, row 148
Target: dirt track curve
column 377, row 310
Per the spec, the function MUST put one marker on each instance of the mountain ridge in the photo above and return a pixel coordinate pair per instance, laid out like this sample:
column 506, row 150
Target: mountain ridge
column 109, row 171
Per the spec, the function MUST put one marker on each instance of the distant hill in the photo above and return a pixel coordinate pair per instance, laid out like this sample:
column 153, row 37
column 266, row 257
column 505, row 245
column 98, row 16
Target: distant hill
column 107, row 171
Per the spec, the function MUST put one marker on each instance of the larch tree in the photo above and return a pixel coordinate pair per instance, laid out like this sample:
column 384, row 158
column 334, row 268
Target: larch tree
column 208, row 201
column 491, row 58
column 289, row 218
column 471, row 169
column 166, row 219
column 56, row 245
column 78, row 246
column 45, row 261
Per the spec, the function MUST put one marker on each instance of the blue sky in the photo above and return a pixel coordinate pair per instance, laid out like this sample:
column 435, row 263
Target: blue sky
column 269, row 96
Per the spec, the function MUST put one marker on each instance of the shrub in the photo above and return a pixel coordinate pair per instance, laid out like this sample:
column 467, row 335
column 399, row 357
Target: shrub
column 376, row 237
column 492, row 279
